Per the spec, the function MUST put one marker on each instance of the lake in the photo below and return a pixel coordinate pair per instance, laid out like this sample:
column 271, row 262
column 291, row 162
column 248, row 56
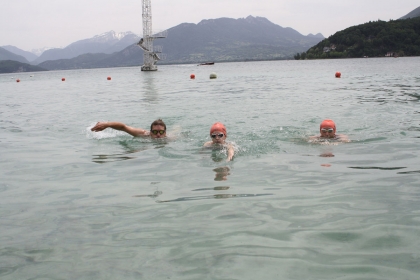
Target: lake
column 76, row 204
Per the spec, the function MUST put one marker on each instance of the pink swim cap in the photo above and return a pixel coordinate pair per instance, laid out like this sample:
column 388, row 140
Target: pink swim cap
column 218, row 127
column 327, row 123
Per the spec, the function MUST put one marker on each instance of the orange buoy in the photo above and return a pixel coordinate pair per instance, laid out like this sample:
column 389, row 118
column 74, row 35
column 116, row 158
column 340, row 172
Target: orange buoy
column 337, row 74
column 63, row 79
column 108, row 78
column 192, row 76
column 17, row 81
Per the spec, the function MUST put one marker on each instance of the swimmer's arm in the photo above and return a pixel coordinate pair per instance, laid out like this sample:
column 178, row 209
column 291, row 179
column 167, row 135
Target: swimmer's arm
column 230, row 152
column 208, row 144
column 344, row 138
column 120, row 126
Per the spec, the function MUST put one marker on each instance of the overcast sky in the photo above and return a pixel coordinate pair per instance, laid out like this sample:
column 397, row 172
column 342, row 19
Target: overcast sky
column 30, row 24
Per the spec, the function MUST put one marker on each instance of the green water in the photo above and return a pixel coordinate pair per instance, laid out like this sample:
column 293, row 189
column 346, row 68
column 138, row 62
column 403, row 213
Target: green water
column 81, row 205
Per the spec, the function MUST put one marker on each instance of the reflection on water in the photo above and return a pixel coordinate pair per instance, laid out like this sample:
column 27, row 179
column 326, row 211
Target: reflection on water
column 409, row 172
column 130, row 147
column 150, row 93
column 327, row 152
column 375, row 167
column 221, row 173
column 154, row 195
column 414, row 97
column 110, row 158
column 215, row 196
column 213, row 189
column 104, row 158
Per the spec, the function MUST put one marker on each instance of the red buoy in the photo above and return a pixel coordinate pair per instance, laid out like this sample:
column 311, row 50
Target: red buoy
column 17, row 81
column 192, row 76
column 337, row 74
column 108, row 78
column 63, row 79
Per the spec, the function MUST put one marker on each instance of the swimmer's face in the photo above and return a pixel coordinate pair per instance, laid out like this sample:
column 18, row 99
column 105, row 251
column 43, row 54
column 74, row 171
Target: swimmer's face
column 158, row 131
column 327, row 132
column 218, row 137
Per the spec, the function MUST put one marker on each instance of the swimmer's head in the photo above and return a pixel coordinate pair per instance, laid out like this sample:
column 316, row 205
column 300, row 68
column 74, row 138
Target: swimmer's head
column 158, row 122
column 218, row 133
column 158, row 129
column 219, row 127
column 327, row 128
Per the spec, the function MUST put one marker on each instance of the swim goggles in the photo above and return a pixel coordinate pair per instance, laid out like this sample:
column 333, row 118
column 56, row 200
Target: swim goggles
column 217, row 135
column 155, row 132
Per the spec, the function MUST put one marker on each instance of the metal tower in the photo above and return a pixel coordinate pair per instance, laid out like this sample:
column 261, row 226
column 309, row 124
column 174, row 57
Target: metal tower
column 151, row 54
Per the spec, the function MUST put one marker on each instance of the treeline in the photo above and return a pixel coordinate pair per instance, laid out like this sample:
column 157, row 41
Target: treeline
column 372, row 39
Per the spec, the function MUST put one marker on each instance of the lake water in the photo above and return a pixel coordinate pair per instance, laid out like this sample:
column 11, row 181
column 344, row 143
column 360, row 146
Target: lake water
column 81, row 205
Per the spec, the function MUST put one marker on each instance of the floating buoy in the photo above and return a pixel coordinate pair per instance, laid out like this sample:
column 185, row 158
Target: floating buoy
column 192, row 76
column 63, row 79
column 337, row 74
column 213, row 76
column 17, row 81
column 108, row 78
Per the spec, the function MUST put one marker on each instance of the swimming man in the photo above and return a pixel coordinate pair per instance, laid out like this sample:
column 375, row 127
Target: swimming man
column 157, row 129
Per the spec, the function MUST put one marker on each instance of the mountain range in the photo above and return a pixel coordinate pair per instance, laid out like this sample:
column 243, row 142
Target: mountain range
column 107, row 43
column 223, row 39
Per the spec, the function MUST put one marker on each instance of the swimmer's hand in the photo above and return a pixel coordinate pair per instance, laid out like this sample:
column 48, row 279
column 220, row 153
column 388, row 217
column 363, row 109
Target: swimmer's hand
column 99, row 126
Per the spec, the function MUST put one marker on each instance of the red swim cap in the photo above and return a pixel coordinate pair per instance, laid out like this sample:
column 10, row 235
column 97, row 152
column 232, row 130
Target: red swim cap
column 218, row 127
column 327, row 123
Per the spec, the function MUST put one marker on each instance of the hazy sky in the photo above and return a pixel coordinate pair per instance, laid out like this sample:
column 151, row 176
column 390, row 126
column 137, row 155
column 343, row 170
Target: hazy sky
column 30, row 24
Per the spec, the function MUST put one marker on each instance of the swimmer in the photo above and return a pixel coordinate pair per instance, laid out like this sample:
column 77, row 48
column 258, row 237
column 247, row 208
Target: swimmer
column 327, row 129
column 157, row 129
column 218, row 139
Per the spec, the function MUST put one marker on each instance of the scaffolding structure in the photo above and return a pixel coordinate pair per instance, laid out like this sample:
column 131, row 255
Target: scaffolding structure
column 152, row 54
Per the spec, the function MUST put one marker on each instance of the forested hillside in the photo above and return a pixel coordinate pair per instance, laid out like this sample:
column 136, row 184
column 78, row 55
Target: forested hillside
column 11, row 66
column 372, row 39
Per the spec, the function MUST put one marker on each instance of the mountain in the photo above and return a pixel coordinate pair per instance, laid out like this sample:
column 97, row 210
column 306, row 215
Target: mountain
column 27, row 55
column 7, row 55
column 227, row 39
column 318, row 35
column 414, row 13
column 372, row 39
column 107, row 43
column 130, row 56
column 10, row 66
column 39, row 51
column 223, row 39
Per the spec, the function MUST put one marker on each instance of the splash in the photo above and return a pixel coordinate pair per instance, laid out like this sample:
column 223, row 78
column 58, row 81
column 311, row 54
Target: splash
column 107, row 133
